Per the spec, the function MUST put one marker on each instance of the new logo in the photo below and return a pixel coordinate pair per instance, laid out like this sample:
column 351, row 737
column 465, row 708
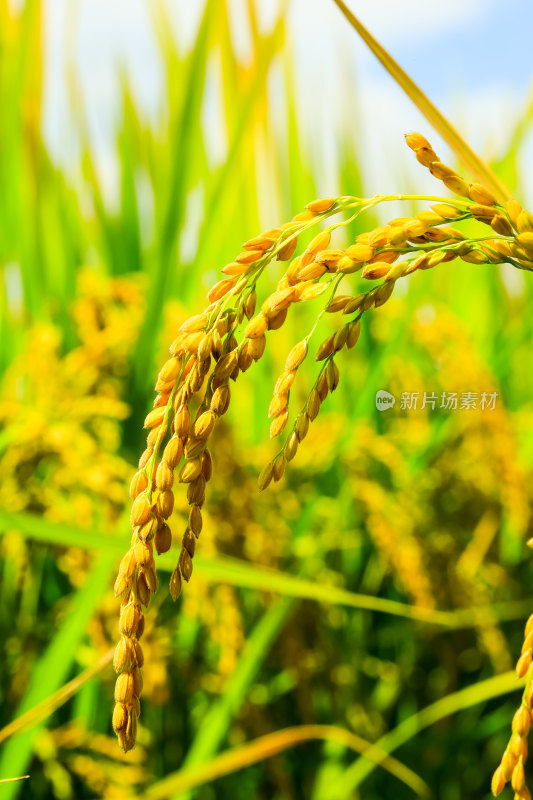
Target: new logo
column 384, row 400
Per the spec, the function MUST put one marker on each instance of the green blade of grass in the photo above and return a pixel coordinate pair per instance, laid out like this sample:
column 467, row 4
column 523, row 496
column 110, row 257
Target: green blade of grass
column 52, row 668
column 438, row 121
column 33, row 716
column 406, row 730
column 233, row 571
column 223, row 181
column 216, row 722
column 11, row 780
column 507, row 164
column 128, row 144
column 185, row 131
column 271, row 744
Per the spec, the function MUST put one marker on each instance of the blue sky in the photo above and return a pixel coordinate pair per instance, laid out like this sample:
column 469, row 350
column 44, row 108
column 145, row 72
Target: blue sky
column 473, row 57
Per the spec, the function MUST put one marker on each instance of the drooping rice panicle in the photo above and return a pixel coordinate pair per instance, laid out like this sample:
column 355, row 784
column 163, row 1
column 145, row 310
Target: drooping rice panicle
column 209, row 351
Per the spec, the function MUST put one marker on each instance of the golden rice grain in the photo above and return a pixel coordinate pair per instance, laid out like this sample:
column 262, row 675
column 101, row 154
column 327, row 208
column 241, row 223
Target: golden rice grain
column 456, row 185
column 163, row 539
column 256, row 327
column 291, row 447
column 278, row 423
column 374, row 271
column 320, row 242
column 330, row 258
column 338, row 303
column 260, row 243
column 360, row 252
column 207, row 465
column 287, row 251
column 204, row 425
column 296, row 356
column 313, row 405
column 276, row 320
column 185, row 565
column 154, row 417
column 446, row 211
column 247, row 257
column 195, row 323
column 339, row 339
column 190, row 470
column 521, row 722
column 324, row 204
column 523, row 664
column 475, row 257
column 138, row 484
column 332, row 376
column 426, row 156
column 498, row 781
column 182, row 421
column 525, row 239
column 195, row 520
column 165, row 503
column 235, row 268
column 326, row 348
column 277, row 405
column 120, row 717
column 303, row 216
column 518, row 778
column 127, row 564
column 220, row 400
column 265, row 477
column 196, row 491
column 277, row 301
column 124, row 688
column 190, row 343
column 354, row 304
column 256, row 347
column 284, row 382
column 480, row 194
column 173, row 451
column 312, row 271
column 501, row 225
column 140, row 511
column 175, row 584
column 310, row 291
column 164, row 477
column 322, row 386
column 129, row 619
column 416, row 141
column 524, row 221
column 302, row 426
column 147, row 531
column 220, row 289
column 354, row 331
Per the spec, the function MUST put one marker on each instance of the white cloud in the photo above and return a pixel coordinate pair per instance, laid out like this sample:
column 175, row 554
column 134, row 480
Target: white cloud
column 398, row 19
column 338, row 87
column 320, row 25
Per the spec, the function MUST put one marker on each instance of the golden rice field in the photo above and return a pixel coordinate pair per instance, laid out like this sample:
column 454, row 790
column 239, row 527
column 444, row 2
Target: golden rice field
column 297, row 568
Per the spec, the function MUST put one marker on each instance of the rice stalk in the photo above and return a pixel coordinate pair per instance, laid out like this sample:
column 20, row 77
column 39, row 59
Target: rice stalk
column 193, row 386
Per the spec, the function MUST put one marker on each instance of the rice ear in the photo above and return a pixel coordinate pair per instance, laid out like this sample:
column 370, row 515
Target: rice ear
column 211, row 350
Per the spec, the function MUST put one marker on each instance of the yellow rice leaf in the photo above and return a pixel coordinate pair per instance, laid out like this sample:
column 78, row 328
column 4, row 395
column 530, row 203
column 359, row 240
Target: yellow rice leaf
column 270, row 745
column 439, row 122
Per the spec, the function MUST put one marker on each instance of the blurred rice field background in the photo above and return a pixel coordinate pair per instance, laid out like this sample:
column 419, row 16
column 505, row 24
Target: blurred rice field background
column 337, row 603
